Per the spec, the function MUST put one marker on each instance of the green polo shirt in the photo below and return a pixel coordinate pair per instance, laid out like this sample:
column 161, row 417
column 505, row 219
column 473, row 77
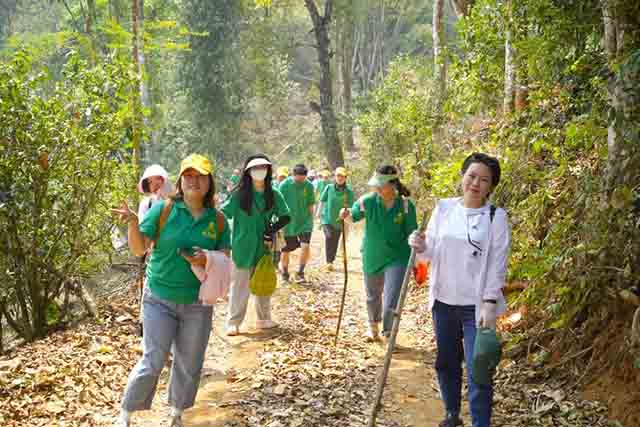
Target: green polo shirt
column 299, row 196
column 333, row 199
column 386, row 232
column 319, row 186
column 169, row 275
column 248, row 230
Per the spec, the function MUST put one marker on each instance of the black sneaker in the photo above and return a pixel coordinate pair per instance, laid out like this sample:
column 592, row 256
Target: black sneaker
column 451, row 421
column 300, row 277
column 285, row 276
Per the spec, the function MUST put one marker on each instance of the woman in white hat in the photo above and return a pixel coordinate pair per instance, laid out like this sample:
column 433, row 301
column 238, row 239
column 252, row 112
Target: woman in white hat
column 155, row 186
column 258, row 211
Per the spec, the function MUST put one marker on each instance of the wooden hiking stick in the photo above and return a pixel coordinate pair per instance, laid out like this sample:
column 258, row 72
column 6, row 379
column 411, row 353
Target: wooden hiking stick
column 394, row 331
column 346, row 278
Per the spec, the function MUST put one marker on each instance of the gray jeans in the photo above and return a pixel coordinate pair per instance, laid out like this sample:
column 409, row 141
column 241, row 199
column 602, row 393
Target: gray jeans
column 185, row 326
column 239, row 298
column 383, row 292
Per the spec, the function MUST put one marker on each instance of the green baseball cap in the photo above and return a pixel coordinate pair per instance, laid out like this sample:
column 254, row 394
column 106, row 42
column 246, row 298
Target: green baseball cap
column 487, row 352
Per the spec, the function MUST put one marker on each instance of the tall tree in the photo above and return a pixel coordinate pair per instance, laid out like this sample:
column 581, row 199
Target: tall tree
column 439, row 61
column 136, row 131
column 509, row 61
column 622, row 133
column 346, row 29
column 321, row 25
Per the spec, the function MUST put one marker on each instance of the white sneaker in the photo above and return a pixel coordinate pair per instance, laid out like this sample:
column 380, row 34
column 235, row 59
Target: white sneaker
column 233, row 330
column 373, row 333
column 266, row 324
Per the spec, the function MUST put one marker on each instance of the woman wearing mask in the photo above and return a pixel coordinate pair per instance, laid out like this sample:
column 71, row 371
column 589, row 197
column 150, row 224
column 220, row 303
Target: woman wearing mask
column 335, row 196
column 258, row 211
column 467, row 242
column 173, row 316
column 390, row 219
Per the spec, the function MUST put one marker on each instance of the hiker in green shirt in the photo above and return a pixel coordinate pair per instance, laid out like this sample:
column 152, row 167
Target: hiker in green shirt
column 258, row 212
column 319, row 185
column 233, row 180
column 335, row 196
column 281, row 174
column 390, row 219
column 298, row 193
column 182, row 228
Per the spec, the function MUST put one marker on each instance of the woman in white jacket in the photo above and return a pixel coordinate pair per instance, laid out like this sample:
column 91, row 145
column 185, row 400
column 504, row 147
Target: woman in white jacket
column 467, row 242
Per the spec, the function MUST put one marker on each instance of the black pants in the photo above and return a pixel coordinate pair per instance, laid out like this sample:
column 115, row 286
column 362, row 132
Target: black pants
column 331, row 240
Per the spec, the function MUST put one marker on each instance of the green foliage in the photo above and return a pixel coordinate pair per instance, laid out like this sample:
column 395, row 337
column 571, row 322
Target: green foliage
column 397, row 120
column 60, row 172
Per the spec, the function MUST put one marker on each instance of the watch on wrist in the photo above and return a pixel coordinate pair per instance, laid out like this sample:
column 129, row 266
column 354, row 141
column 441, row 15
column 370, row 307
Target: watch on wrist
column 492, row 301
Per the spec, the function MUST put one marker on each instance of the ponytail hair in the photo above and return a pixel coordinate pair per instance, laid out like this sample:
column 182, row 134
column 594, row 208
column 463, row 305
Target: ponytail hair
column 399, row 186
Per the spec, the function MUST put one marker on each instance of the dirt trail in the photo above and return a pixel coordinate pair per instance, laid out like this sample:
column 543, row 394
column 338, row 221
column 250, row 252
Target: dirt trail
column 411, row 397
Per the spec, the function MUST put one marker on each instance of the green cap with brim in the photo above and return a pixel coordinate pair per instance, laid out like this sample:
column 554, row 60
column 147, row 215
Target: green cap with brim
column 378, row 180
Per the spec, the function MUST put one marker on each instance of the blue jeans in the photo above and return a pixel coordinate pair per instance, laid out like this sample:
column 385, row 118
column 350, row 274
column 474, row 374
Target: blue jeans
column 387, row 282
column 185, row 326
column 455, row 327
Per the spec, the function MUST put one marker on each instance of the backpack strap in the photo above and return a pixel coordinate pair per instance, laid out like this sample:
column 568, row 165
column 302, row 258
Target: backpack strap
column 492, row 213
column 405, row 202
column 164, row 215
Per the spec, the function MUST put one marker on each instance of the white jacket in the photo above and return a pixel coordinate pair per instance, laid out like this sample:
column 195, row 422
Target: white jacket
column 215, row 277
column 493, row 262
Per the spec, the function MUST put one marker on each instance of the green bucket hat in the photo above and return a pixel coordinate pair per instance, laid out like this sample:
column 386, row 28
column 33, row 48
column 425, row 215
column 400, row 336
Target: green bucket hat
column 487, row 352
column 378, row 180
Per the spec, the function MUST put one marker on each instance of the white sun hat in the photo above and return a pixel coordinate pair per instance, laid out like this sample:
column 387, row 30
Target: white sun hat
column 257, row 162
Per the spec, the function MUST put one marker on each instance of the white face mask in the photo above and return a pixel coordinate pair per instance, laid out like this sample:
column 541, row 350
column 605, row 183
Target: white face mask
column 258, row 174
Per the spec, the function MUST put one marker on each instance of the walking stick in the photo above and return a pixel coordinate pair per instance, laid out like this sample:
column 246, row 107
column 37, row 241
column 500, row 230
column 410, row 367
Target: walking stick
column 346, row 278
column 394, row 331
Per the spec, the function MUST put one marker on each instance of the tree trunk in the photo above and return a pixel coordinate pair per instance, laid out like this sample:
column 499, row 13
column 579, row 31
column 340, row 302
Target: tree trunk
column 509, row 63
column 440, row 63
column 333, row 148
column 622, row 135
column 136, row 131
column 462, row 7
column 347, row 76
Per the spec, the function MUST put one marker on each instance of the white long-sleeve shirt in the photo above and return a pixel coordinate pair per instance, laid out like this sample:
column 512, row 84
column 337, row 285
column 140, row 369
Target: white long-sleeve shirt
column 468, row 254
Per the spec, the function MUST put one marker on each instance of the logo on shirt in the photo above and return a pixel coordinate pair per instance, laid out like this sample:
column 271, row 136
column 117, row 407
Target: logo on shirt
column 399, row 219
column 211, row 231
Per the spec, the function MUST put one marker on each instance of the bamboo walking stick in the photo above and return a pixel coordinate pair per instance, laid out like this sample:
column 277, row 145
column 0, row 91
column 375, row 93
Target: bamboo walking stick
column 346, row 278
column 394, row 331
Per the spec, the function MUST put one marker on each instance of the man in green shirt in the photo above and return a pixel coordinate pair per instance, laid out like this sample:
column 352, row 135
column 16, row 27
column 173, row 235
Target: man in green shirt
column 298, row 193
column 334, row 197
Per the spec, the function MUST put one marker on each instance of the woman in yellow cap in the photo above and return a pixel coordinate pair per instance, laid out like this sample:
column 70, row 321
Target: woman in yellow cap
column 335, row 196
column 281, row 174
column 173, row 318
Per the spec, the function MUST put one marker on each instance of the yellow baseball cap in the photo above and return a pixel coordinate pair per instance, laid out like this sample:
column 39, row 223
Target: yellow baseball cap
column 197, row 162
column 283, row 171
column 342, row 171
